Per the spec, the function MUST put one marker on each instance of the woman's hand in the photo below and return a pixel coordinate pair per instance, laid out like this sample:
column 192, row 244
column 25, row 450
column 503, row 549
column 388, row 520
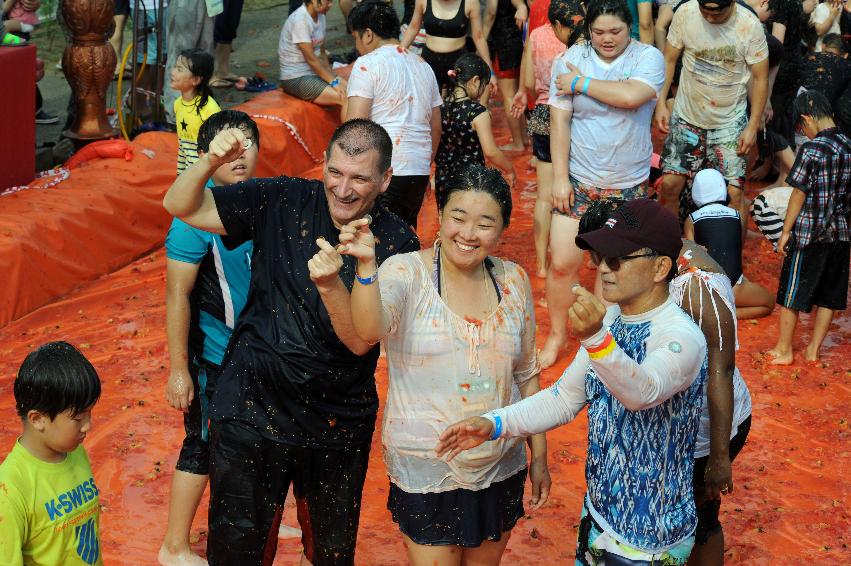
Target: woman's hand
column 539, row 475
column 519, row 103
column 463, row 435
column 357, row 240
column 564, row 80
column 562, row 195
column 325, row 265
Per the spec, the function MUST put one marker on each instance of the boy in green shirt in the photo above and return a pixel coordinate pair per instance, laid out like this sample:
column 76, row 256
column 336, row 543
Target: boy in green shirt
column 49, row 506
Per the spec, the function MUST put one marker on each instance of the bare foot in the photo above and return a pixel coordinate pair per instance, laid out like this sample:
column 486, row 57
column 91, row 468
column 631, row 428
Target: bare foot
column 286, row 531
column 549, row 353
column 778, row 358
column 811, row 356
column 185, row 558
column 541, row 272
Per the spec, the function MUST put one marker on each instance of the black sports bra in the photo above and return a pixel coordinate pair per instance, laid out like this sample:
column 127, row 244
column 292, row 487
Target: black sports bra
column 438, row 27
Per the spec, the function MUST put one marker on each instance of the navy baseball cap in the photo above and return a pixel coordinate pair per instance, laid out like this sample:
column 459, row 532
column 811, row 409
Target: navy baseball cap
column 637, row 224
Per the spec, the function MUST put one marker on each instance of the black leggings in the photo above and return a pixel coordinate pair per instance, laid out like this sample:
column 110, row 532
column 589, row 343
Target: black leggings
column 441, row 64
column 226, row 24
column 405, row 195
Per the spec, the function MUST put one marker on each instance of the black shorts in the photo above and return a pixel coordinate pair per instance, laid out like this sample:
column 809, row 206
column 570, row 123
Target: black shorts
column 194, row 455
column 459, row 517
column 541, row 148
column 226, row 23
column 122, row 8
column 707, row 509
column 441, row 64
column 506, row 46
column 249, row 479
column 816, row 275
column 404, row 196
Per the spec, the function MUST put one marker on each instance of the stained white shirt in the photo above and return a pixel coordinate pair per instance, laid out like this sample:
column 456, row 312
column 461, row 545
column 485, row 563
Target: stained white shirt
column 443, row 368
column 404, row 94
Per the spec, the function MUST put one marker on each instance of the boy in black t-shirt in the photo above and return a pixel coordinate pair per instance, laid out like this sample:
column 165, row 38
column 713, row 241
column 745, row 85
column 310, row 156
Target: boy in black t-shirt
column 298, row 382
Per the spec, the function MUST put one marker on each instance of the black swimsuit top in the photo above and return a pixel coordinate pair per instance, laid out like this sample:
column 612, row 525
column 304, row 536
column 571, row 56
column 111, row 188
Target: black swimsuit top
column 438, row 27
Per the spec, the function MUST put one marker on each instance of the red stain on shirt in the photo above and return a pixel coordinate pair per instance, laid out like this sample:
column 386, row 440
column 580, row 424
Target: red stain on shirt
column 362, row 68
column 465, row 386
column 472, row 320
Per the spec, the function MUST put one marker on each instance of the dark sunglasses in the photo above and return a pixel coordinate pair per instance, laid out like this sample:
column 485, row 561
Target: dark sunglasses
column 614, row 263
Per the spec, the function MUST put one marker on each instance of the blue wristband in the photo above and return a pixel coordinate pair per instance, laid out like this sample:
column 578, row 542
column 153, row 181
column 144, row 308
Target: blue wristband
column 573, row 84
column 497, row 427
column 366, row 280
column 335, row 82
column 585, row 86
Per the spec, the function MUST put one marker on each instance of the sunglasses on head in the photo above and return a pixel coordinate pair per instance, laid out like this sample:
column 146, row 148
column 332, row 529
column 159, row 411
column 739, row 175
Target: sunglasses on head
column 614, row 263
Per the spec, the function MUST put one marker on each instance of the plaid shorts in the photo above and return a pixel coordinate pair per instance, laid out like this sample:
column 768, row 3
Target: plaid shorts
column 584, row 194
column 688, row 149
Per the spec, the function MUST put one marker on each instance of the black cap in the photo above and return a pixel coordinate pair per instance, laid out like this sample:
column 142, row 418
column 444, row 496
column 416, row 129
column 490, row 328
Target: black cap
column 637, row 224
column 714, row 5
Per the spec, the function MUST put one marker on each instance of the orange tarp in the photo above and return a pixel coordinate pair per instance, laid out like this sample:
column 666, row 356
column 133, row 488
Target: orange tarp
column 109, row 212
column 791, row 499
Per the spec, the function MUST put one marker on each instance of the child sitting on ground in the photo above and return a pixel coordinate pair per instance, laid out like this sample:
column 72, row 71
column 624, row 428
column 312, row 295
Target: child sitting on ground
column 191, row 77
column 467, row 134
column 718, row 228
column 49, row 505
column 815, row 241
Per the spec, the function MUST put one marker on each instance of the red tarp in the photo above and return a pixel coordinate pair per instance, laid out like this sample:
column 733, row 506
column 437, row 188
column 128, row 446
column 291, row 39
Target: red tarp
column 109, row 212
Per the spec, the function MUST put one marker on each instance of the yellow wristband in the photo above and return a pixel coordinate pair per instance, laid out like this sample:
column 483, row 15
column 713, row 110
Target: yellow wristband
column 602, row 353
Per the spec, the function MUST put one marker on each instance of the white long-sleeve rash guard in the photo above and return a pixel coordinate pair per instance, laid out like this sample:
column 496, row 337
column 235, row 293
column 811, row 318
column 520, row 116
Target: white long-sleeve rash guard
column 674, row 350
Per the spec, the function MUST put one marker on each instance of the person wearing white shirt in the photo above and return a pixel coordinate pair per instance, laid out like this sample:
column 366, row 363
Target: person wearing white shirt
column 397, row 90
column 602, row 96
column 305, row 70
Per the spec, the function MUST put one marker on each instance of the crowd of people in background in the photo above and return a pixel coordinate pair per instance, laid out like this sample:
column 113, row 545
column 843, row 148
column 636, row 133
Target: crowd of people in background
column 280, row 290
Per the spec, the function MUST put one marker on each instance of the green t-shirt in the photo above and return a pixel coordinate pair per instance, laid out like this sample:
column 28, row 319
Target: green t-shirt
column 49, row 513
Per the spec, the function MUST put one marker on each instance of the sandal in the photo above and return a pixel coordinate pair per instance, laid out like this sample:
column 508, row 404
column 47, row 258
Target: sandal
column 12, row 40
column 256, row 84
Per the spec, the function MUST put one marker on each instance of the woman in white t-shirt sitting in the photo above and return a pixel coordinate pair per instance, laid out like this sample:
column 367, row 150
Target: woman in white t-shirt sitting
column 601, row 100
column 305, row 70
column 458, row 328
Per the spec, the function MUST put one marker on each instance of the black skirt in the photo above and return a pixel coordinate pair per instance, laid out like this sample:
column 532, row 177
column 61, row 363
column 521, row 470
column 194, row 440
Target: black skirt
column 459, row 517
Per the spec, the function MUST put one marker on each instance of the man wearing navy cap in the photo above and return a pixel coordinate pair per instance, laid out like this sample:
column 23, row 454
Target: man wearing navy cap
column 640, row 369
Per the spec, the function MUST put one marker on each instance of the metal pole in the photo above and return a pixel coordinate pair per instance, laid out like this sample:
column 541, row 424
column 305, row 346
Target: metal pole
column 161, row 62
column 133, row 78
